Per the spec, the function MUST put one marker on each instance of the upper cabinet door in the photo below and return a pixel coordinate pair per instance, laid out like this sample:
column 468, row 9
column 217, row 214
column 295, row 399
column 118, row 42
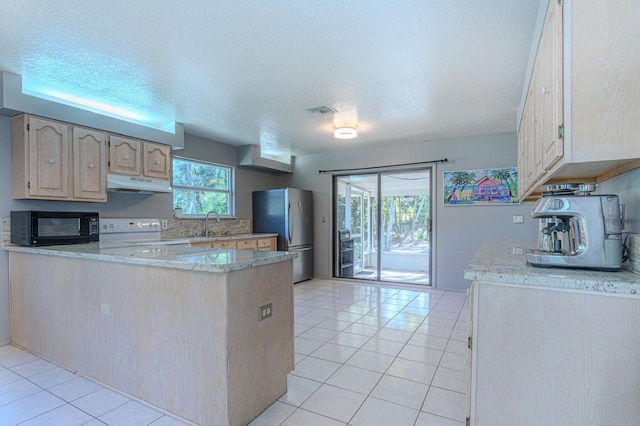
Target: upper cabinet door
column 550, row 93
column 89, row 164
column 157, row 161
column 48, row 158
column 124, row 156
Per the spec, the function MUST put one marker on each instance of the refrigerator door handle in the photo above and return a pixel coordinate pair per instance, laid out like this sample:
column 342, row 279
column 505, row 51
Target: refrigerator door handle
column 290, row 224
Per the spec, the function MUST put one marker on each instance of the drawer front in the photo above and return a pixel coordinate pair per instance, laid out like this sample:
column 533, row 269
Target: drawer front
column 247, row 244
column 264, row 244
column 198, row 244
column 224, row 244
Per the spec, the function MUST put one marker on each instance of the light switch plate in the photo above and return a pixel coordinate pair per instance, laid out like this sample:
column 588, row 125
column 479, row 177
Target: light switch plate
column 518, row 218
column 105, row 309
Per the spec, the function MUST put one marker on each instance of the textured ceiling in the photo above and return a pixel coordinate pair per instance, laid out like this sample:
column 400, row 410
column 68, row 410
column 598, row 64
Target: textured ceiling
column 243, row 71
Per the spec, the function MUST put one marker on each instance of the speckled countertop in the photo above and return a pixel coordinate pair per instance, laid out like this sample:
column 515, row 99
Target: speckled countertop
column 166, row 256
column 505, row 261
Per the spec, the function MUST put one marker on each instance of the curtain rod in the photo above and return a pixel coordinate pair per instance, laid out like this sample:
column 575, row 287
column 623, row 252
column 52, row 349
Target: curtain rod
column 444, row 160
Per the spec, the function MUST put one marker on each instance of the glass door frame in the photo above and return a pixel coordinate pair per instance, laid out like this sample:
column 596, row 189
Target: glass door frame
column 431, row 190
column 365, row 223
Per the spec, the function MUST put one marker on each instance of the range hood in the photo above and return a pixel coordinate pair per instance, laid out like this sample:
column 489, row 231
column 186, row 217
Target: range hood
column 139, row 184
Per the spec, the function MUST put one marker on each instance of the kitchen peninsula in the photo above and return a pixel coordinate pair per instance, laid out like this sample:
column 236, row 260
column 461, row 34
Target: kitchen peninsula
column 551, row 345
column 178, row 327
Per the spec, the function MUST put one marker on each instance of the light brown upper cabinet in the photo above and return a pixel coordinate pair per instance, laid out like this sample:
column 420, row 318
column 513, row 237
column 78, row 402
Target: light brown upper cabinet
column 89, row 164
column 52, row 160
column 584, row 96
column 134, row 157
column 156, row 161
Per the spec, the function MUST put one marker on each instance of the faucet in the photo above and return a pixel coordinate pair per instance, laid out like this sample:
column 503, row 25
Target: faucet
column 206, row 222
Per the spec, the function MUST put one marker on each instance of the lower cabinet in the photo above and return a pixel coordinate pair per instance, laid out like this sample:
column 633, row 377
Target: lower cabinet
column 268, row 244
column 249, row 244
column 224, row 244
column 547, row 356
column 262, row 244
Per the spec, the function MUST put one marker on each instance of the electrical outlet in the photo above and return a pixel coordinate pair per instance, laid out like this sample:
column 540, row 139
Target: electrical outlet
column 518, row 218
column 266, row 311
column 517, row 250
column 164, row 224
column 105, row 309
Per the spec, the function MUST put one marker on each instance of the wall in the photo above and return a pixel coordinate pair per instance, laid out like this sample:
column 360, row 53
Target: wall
column 120, row 204
column 627, row 188
column 458, row 231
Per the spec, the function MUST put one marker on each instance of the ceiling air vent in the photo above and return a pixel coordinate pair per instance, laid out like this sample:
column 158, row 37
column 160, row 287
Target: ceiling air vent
column 320, row 110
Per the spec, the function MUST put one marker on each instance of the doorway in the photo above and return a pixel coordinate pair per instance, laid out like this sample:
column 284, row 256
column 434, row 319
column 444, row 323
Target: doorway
column 383, row 226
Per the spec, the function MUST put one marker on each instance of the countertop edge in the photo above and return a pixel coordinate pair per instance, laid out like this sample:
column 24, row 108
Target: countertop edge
column 265, row 258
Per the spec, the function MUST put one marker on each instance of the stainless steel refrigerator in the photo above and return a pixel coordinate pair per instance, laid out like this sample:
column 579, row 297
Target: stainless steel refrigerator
column 289, row 213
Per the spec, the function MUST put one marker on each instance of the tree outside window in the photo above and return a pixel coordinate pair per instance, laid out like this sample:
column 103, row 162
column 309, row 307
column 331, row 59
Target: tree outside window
column 200, row 187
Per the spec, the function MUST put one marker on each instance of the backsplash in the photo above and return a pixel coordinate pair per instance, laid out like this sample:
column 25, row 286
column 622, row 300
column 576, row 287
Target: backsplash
column 634, row 253
column 6, row 231
column 186, row 228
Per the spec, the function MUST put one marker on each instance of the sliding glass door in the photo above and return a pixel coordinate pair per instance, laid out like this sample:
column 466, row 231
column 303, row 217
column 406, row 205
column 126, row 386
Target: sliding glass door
column 383, row 226
column 355, row 196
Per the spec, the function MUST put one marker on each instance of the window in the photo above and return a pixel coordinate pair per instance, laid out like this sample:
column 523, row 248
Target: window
column 200, row 187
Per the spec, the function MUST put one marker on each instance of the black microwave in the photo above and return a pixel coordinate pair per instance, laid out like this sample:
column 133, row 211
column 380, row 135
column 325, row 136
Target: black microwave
column 37, row 228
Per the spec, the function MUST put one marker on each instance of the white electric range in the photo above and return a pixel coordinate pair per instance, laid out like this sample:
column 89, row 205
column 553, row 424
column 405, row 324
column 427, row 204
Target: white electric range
column 124, row 232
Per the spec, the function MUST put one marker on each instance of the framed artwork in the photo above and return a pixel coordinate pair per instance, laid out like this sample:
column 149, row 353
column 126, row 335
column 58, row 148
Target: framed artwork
column 484, row 187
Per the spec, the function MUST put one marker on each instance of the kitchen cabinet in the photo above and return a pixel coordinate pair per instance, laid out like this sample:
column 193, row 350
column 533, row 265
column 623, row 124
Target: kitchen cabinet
column 134, row 157
column 156, row 160
column 89, row 164
column 52, row 160
column 247, row 244
column 224, row 244
column 583, row 97
column 268, row 244
column 550, row 346
column 182, row 335
column 230, row 244
column 240, row 243
column 552, row 356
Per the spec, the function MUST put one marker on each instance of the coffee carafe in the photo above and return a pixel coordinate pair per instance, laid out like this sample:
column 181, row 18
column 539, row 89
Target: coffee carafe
column 577, row 229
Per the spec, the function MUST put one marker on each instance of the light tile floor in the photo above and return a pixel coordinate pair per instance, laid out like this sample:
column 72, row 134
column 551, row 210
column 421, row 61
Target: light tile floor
column 366, row 354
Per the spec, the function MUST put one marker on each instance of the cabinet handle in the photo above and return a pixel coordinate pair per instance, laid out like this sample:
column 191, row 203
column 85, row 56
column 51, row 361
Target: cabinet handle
column 546, row 91
column 126, row 157
column 91, row 166
column 157, row 163
column 50, row 161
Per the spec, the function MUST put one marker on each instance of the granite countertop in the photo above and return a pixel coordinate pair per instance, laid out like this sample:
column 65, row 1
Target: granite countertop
column 166, row 256
column 505, row 261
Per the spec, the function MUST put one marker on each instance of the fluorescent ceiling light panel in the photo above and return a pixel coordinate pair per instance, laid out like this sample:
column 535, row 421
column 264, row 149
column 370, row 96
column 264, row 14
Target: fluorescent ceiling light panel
column 97, row 107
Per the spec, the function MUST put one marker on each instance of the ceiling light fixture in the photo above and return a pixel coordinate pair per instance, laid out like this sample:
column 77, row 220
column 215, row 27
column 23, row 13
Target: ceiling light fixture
column 345, row 131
